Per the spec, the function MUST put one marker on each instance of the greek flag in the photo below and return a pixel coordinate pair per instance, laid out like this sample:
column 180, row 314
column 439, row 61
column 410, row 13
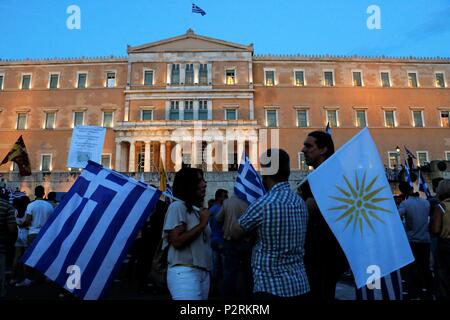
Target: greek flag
column 328, row 129
column 423, row 186
column 248, row 185
column 409, row 153
column 407, row 175
column 197, row 9
column 83, row 244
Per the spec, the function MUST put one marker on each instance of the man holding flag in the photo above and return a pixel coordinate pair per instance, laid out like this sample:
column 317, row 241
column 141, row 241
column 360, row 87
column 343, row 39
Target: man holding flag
column 279, row 217
column 360, row 210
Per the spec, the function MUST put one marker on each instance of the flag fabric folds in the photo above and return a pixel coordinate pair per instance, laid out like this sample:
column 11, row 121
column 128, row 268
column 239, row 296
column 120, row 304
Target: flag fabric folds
column 197, row 9
column 328, row 129
column 19, row 155
column 408, row 175
column 354, row 196
column 91, row 231
column 409, row 153
column 423, row 186
column 248, row 185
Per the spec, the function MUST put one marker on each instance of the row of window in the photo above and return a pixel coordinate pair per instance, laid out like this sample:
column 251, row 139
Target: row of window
column 271, row 117
column 191, row 77
column 270, row 78
column 392, row 156
column 50, row 120
column 332, row 117
column 46, row 162
column 53, row 80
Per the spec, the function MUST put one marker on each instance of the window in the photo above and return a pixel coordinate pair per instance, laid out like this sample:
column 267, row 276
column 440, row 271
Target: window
column 271, row 118
column 440, row 80
column 412, row 80
column 54, row 79
column 328, row 78
column 389, row 119
column 299, row 76
column 332, row 118
column 189, row 110
column 1, row 81
column 269, row 76
column 175, row 74
column 108, row 119
column 26, row 81
column 230, row 76
column 203, row 74
column 357, row 79
column 46, row 162
column 106, row 161
column 174, row 113
column 82, row 79
column 444, row 119
column 422, row 158
column 146, row 115
column 50, row 118
column 110, row 79
column 418, row 119
column 394, row 159
column 302, row 118
column 78, row 118
column 21, row 121
column 302, row 162
column 202, row 110
column 230, row 114
column 148, row 77
column 447, row 155
column 189, row 74
column 361, row 121
column 385, row 79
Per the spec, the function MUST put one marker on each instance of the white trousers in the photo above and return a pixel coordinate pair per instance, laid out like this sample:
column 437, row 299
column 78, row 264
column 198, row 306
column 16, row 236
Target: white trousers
column 187, row 283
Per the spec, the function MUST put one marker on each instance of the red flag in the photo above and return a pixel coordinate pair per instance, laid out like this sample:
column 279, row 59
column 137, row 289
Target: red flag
column 19, row 155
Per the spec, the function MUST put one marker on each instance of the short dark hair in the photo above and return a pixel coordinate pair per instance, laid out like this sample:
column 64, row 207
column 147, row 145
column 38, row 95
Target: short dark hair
column 185, row 186
column 220, row 193
column 51, row 196
column 284, row 164
column 323, row 140
column 39, row 191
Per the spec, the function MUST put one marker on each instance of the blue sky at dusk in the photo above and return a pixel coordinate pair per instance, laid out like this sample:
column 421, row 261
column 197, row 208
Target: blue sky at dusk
column 37, row 29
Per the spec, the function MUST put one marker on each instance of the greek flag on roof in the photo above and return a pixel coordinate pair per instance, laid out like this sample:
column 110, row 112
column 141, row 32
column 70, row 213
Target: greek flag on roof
column 248, row 185
column 91, row 231
column 197, row 9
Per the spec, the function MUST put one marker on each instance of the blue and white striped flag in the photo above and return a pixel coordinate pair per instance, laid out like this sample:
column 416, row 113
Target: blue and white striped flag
column 408, row 175
column 83, row 244
column 328, row 129
column 248, row 185
column 423, row 186
column 197, row 9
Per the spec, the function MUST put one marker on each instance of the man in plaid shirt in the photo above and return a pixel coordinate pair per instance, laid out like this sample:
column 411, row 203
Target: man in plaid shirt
column 279, row 218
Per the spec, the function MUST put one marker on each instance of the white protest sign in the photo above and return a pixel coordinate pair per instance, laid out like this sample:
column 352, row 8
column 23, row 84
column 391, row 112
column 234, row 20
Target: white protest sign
column 87, row 144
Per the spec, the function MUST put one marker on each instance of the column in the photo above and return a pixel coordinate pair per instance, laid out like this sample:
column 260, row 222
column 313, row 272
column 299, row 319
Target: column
column 253, row 150
column 177, row 156
column 240, row 150
column 209, row 104
column 167, row 110
column 194, row 154
column 195, row 109
column 169, row 73
column 209, row 156
column 131, row 159
column 118, row 166
column 251, row 110
column 147, row 157
column 209, row 76
column 162, row 153
column 196, row 69
column 225, row 155
column 126, row 111
column 182, row 73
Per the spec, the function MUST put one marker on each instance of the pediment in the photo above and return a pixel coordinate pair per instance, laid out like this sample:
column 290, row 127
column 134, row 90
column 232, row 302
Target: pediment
column 190, row 42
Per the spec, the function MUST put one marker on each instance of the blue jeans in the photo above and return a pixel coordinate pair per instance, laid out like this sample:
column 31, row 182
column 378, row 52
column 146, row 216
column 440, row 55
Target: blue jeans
column 237, row 272
column 187, row 283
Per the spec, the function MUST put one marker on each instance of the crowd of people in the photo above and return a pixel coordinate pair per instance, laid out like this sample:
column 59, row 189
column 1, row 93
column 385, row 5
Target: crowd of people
column 278, row 247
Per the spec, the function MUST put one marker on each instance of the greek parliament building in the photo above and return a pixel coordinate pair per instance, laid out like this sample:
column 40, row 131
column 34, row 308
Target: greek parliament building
column 163, row 95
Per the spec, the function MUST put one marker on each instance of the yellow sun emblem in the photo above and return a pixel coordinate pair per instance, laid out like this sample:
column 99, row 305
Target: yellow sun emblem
column 359, row 203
